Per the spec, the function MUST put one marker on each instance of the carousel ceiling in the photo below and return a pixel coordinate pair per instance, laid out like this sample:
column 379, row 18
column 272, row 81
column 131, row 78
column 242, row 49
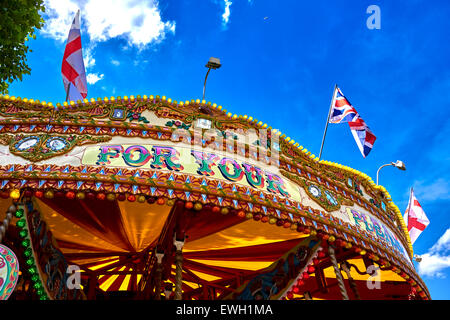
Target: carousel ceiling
column 97, row 235
column 109, row 238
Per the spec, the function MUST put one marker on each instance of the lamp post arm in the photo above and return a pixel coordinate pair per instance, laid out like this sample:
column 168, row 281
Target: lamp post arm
column 204, row 84
column 384, row 165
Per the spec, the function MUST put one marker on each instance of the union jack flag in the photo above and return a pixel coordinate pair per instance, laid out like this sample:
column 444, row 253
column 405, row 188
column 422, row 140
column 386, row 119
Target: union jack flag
column 363, row 136
column 73, row 71
column 343, row 111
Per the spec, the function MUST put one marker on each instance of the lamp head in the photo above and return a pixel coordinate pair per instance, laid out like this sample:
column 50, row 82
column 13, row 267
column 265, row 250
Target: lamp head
column 400, row 165
column 213, row 63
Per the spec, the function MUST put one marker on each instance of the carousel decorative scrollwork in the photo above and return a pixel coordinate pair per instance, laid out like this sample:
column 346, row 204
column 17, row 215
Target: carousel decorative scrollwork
column 327, row 199
column 50, row 260
column 37, row 147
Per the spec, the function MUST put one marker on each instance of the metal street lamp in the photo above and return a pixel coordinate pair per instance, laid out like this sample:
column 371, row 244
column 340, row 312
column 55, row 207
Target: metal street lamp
column 398, row 164
column 213, row 63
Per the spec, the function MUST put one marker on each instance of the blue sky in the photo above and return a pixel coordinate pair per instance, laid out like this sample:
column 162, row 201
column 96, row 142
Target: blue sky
column 279, row 65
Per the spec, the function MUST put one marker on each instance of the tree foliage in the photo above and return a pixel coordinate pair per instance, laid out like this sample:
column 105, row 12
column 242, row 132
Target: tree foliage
column 18, row 21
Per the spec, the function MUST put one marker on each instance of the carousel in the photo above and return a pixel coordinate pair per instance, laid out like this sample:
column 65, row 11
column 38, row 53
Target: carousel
column 153, row 199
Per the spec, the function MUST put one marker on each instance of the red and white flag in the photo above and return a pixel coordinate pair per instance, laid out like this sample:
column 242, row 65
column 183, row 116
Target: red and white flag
column 415, row 218
column 73, row 71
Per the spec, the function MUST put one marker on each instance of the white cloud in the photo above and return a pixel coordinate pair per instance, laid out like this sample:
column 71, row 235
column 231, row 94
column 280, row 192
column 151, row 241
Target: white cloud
column 88, row 57
column 437, row 190
column 437, row 258
column 137, row 21
column 92, row 78
column 115, row 62
column 226, row 13
column 432, row 264
column 138, row 62
column 443, row 244
column 58, row 17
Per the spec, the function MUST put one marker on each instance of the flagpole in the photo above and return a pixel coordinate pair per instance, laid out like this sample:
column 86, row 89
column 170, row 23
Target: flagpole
column 409, row 208
column 67, row 93
column 409, row 202
column 328, row 119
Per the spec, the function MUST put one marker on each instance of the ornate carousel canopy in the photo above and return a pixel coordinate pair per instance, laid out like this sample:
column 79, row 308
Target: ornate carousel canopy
column 154, row 198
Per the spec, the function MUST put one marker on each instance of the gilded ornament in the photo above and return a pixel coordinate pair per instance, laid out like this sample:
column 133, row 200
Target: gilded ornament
column 45, row 146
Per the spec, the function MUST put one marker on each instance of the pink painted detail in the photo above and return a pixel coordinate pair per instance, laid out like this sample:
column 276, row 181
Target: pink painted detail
column 253, row 175
column 107, row 153
column 9, row 272
column 130, row 158
column 166, row 157
column 276, row 185
column 206, row 161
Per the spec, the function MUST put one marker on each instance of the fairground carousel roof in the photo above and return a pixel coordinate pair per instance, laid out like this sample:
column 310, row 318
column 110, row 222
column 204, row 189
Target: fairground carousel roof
column 151, row 198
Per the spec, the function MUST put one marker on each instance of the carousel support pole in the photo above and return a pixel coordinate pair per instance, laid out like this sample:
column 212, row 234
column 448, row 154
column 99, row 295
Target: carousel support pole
column 321, row 280
column 205, row 292
column 338, row 273
column 238, row 280
column 178, row 267
column 159, row 258
column 167, row 290
column 6, row 221
column 92, row 286
column 134, row 277
column 346, row 269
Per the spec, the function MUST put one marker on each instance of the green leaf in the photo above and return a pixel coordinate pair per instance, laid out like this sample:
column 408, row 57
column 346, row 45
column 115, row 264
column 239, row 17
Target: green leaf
column 18, row 21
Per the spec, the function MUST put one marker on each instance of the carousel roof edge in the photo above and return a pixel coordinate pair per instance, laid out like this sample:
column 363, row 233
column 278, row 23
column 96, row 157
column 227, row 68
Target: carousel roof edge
column 380, row 188
column 80, row 105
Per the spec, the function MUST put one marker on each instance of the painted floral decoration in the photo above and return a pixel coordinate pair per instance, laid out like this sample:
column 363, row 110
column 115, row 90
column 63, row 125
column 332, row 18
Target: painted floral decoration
column 178, row 124
column 136, row 116
column 357, row 188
